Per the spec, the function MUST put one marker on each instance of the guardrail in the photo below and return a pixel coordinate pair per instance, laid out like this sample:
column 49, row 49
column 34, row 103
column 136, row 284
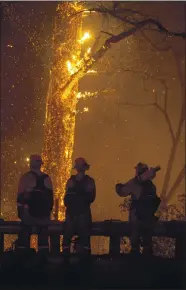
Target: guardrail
column 115, row 230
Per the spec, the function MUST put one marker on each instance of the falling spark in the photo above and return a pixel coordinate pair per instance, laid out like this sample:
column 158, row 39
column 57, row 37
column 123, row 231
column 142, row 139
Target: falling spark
column 10, row 45
column 79, row 95
column 86, row 109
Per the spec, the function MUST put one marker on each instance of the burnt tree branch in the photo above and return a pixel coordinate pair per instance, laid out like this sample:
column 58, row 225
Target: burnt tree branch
column 87, row 64
column 137, row 24
column 158, row 48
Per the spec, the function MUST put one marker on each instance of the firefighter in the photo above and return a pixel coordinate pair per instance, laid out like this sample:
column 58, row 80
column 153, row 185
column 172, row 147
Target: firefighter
column 144, row 203
column 80, row 193
column 34, row 204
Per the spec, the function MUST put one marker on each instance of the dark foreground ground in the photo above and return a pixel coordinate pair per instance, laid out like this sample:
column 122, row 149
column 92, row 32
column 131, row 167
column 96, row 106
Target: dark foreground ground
column 98, row 272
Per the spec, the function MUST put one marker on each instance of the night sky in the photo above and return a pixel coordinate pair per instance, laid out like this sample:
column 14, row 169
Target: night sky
column 113, row 137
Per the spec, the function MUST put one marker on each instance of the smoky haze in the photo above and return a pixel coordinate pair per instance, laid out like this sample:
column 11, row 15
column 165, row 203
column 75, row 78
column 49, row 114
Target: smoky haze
column 112, row 136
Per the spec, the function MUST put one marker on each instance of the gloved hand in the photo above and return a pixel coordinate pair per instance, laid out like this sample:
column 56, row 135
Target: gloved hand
column 118, row 187
column 147, row 175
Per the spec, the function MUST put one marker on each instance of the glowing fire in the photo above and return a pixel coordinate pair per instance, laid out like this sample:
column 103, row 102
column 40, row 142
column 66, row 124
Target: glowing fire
column 88, row 50
column 85, row 37
column 74, row 65
column 62, row 100
column 70, row 68
column 86, row 95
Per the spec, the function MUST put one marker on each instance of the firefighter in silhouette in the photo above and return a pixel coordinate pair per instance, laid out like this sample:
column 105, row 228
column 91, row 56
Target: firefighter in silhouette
column 144, row 203
column 80, row 193
column 34, row 204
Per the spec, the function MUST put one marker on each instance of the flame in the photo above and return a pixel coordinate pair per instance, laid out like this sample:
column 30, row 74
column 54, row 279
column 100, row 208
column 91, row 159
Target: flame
column 85, row 37
column 86, row 95
column 88, row 50
column 71, row 68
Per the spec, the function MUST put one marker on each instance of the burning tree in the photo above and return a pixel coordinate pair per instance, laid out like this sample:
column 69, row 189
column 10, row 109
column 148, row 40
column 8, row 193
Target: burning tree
column 61, row 105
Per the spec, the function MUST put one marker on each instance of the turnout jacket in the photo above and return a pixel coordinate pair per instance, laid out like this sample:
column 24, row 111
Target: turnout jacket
column 79, row 195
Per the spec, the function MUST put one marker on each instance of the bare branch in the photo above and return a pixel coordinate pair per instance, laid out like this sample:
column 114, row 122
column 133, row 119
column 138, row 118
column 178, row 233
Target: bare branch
column 121, row 18
column 180, row 76
column 173, row 152
column 95, row 45
column 164, row 204
column 119, row 10
column 116, row 5
column 137, row 24
column 110, row 34
column 158, row 107
column 132, row 12
column 106, row 11
column 154, row 45
column 163, row 82
column 164, row 112
column 156, row 98
column 177, row 182
column 87, row 64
